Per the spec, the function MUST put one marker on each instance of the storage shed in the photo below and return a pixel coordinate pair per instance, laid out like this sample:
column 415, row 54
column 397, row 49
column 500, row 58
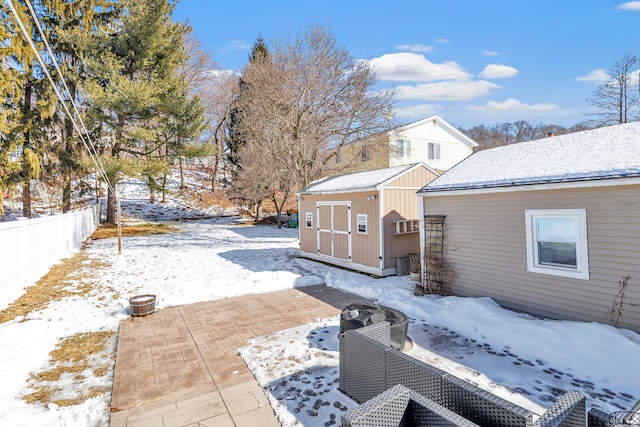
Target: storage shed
column 550, row 227
column 364, row 221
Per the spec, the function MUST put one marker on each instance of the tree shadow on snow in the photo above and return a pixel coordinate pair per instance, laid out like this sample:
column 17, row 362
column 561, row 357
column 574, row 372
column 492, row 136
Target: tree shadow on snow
column 260, row 260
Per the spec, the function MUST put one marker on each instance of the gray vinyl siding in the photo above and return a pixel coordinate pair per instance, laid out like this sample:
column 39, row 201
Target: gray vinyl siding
column 485, row 244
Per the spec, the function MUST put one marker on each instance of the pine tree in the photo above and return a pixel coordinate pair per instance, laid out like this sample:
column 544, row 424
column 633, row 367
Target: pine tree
column 136, row 67
column 69, row 25
column 31, row 103
column 235, row 140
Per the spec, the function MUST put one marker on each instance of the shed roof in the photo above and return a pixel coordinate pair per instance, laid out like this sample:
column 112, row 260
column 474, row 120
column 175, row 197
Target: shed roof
column 603, row 153
column 359, row 181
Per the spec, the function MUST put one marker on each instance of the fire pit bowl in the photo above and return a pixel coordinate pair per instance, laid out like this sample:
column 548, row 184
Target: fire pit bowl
column 361, row 314
column 142, row 305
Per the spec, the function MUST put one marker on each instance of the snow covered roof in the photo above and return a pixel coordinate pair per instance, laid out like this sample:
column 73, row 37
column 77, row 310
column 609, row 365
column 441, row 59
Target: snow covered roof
column 359, row 181
column 603, row 153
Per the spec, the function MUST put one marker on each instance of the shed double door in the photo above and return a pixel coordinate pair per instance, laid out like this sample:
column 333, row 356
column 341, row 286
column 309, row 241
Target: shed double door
column 334, row 229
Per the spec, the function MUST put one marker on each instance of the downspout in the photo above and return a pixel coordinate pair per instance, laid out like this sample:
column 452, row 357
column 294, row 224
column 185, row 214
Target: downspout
column 381, row 225
column 422, row 239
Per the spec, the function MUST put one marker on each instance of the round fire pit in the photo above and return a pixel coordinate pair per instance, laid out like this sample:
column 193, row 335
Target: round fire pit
column 361, row 314
column 141, row 305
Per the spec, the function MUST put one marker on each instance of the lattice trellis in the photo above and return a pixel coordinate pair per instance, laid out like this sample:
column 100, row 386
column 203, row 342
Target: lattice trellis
column 434, row 253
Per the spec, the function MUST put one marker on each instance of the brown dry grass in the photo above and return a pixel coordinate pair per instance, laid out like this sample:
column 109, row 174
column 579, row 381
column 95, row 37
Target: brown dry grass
column 72, row 356
column 109, row 230
column 84, row 356
column 63, row 280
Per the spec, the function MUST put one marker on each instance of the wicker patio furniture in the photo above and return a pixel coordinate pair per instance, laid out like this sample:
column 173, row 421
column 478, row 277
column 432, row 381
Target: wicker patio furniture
column 369, row 367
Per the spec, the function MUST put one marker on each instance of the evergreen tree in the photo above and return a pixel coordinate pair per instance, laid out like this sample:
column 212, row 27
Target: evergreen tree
column 30, row 105
column 235, row 140
column 69, row 25
column 136, row 67
column 8, row 168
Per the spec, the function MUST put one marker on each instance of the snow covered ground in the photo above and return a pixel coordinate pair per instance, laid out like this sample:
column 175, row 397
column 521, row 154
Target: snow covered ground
column 524, row 359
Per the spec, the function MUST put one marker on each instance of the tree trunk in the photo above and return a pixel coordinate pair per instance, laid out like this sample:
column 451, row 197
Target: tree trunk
column 98, row 192
column 182, row 186
column 68, row 160
column 164, row 188
column 111, row 206
column 258, row 206
column 278, row 212
column 214, row 173
column 26, row 168
column 26, row 198
column 152, row 191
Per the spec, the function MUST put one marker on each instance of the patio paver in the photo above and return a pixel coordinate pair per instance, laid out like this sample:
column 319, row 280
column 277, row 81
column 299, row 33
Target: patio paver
column 179, row 366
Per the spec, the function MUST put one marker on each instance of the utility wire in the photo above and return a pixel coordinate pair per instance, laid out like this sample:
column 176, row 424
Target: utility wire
column 26, row 34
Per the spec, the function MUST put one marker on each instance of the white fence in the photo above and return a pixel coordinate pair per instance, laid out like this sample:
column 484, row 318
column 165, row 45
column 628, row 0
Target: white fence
column 28, row 248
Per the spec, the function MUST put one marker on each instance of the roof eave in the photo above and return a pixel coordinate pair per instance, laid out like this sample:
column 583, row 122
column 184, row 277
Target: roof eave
column 538, row 185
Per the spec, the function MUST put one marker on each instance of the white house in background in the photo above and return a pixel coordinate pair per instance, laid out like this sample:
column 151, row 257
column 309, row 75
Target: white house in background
column 432, row 141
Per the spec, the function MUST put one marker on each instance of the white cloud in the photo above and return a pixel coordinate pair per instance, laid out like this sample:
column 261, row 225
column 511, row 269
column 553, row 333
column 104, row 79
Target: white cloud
column 498, row 71
column 441, row 40
column 490, row 53
column 456, row 90
column 596, row 76
column 236, row 45
column 408, row 66
column 630, row 5
column 414, row 47
column 417, row 111
column 511, row 105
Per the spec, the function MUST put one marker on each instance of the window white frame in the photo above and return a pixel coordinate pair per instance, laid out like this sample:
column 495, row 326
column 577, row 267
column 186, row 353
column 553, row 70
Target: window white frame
column 576, row 236
column 362, row 223
column 403, row 147
column 433, row 151
column 308, row 219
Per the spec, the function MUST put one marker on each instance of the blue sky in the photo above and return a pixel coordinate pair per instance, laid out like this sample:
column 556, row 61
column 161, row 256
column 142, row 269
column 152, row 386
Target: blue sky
column 470, row 61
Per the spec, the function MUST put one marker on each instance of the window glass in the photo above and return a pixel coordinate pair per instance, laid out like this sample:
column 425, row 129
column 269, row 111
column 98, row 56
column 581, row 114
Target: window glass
column 309, row 219
column 434, row 151
column 557, row 242
column 403, row 148
column 362, row 223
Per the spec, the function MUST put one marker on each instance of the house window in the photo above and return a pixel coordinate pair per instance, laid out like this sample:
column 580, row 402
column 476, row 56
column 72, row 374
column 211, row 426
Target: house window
column 434, row 151
column 362, row 223
column 403, row 148
column 557, row 242
column 365, row 153
column 309, row 219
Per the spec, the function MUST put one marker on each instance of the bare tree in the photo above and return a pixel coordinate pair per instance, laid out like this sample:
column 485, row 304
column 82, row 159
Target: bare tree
column 518, row 131
column 618, row 100
column 218, row 97
column 216, row 89
column 306, row 99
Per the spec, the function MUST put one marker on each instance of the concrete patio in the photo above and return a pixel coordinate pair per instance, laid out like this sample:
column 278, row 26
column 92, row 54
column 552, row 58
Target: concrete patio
column 179, row 366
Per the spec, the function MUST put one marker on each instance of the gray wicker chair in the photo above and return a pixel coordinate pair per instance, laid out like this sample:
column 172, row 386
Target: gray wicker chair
column 400, row 406
column 631, row 417
column 369, row 367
